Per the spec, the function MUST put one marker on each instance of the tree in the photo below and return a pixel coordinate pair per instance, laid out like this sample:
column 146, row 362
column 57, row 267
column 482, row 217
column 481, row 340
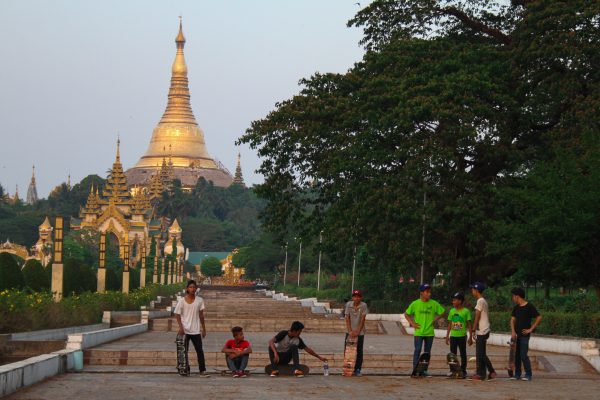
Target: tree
column 10, row 273
column 35, row 276
column 451, row 99
column 211, row 266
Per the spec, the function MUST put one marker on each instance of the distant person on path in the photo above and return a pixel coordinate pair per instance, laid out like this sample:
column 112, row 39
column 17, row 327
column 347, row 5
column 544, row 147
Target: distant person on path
column 459, row 324
column 521, row 328
column 421, row 314
column 284, row 347
column 237, row 352
column 482, row 331
column 190, row 315
column 355, row 315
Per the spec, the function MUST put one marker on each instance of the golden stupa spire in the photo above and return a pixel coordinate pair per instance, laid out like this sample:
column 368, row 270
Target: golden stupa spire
column 178, row 128
column 238, row 178
column 116, row 184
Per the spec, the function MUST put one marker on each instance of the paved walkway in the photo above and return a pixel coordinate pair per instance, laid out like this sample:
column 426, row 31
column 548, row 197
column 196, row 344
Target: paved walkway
column 163, row 386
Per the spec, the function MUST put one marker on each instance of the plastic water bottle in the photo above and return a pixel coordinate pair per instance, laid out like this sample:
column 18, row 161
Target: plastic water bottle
column 326, row 369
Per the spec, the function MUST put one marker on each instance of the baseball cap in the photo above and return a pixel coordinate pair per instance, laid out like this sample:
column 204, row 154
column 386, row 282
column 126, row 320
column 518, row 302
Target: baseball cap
column 356, row 293
column 424, row 286
column 459, row 295
column 480, row 287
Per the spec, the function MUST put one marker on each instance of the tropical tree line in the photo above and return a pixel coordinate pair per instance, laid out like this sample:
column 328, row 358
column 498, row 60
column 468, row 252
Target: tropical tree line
column 465, row 142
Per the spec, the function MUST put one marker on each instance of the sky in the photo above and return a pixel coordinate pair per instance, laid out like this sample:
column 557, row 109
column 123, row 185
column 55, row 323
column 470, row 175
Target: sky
column 77, row 74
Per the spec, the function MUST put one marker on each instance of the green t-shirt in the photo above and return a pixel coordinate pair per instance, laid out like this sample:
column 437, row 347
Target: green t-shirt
column 458, row 320
column 424, row 313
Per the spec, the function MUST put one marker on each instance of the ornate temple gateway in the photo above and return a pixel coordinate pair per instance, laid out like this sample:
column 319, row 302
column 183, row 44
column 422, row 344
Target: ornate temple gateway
column 178, row 138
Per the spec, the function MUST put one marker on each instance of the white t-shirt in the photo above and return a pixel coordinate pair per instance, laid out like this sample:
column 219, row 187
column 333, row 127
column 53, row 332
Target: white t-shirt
column 484, row 319
column 190, row 315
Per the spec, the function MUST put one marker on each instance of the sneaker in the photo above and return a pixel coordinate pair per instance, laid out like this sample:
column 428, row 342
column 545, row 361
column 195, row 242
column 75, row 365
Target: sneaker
column 236, row 374
column 425, row 374
column 299, row 373
column 357, row 373
column 204, row 374
column 526, row 378
column 243, row 374
column 515, row 378
column 274, row 373
column 475, row 378
column 492, row 375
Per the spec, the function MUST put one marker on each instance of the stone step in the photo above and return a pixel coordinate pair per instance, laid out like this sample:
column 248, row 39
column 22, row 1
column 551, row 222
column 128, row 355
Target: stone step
column 267, row 325
column 260, row 359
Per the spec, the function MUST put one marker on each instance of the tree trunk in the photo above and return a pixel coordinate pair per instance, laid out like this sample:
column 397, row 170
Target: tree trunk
column 597, row 289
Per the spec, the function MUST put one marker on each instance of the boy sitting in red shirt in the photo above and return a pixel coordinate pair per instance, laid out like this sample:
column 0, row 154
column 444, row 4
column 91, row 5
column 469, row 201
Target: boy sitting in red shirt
column 237, row 352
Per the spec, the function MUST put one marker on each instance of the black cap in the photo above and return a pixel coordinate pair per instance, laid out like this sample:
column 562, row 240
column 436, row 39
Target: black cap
column 459, row 296
column 480, row 287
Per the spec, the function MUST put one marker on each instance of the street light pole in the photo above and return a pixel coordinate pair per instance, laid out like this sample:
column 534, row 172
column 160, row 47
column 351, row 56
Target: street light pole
column 423, row 238
column 353, row 268
column 319, row 272
column 299, row 262
column 285, row 265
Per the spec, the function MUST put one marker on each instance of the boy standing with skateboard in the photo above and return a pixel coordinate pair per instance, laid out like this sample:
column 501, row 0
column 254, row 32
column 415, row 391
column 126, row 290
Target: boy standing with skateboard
column 421, row 315
column 459, row 320
column 521, row 328
column 355, row 315
column 284, row 347
column 190, row 315
column 237, row 352
column 482, row 331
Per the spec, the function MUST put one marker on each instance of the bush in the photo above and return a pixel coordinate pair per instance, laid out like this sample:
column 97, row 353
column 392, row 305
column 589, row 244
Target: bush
column 11, row 276
column 22, row 311
column 211, row 266
column 35, row 276
column 555, row 323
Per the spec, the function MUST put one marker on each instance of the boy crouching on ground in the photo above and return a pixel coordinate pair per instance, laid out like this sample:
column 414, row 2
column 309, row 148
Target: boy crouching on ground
column 237, row 352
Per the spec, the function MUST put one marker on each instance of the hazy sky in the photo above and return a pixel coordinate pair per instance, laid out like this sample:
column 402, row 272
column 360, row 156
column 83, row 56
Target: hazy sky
column 76, row 73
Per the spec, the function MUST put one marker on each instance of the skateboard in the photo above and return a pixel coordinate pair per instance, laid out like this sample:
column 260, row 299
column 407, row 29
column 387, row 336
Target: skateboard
column 422, row 366
column 228, row 372
column 455, row 369
column 183, row 364
column 286, row 369
column 349, row 356
column 511, row 357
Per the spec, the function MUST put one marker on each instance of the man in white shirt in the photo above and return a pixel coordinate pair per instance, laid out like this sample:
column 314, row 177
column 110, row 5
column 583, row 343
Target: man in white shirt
column 190, row 315
column 482, row 331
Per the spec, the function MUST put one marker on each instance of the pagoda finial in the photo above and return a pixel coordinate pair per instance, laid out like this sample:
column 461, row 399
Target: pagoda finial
column 118, row 148
column 238, row 178
column 180, row 39
column 32, row 196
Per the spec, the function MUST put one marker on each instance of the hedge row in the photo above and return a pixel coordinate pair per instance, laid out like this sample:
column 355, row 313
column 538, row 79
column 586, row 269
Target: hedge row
column 22, row 311
column 555, row 323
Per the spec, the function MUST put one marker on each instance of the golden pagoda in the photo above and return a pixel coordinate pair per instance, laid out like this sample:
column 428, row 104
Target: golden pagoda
column 179, row 132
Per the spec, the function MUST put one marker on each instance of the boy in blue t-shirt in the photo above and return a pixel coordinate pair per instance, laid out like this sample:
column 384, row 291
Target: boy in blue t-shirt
column 459, row 323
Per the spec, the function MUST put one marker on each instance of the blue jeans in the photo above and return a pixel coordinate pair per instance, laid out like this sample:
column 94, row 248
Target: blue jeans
column 419, row 340
column 238, row 363
column 521, row 356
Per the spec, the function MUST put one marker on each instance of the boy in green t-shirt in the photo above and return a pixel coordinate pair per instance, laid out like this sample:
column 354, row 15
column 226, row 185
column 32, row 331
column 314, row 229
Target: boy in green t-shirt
column 459, row 320
column 421, row 315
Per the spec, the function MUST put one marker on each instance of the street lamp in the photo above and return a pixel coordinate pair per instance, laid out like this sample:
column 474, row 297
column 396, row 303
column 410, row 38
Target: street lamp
column 285, row 264
column 353, row 268
column 319, row 271
column 299, row 261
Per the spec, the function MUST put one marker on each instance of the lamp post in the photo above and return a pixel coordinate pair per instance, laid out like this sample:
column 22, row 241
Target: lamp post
column 423, row 238
column 353, row 268
column 285, row 264
column 299, row 262
column 319, row 269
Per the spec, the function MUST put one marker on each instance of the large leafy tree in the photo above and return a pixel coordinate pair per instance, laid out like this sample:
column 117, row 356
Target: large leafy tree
column 451, row 99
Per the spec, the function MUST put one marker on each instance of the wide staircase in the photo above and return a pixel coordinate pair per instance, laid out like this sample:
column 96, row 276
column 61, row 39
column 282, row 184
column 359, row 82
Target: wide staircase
column 261, row 317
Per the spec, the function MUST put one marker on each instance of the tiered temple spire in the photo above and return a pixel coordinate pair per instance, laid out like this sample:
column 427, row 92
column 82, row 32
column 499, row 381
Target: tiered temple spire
column 116, row 184
column 32, row 196
column 238, row 178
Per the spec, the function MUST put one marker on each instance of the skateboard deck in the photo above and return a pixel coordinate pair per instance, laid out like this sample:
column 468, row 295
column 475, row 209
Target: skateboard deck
column 225, row 372
column 511, row 357
column 286, row 369
column 183, row 365
column 421, row 366
column 455, row 369
column 349, row 356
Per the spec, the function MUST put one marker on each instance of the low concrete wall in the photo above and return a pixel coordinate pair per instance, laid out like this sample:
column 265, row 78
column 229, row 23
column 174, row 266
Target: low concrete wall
column 55, row 334
column 33, row 370
column 82, row 341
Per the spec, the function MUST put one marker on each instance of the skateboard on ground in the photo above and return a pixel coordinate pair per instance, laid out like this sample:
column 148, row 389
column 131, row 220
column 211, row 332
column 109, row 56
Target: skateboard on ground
column 286, row 369
column 511, row 357
column 349, row 356
column 422, row 365
column 228, row 372
column 455, row 369
column 183, row 365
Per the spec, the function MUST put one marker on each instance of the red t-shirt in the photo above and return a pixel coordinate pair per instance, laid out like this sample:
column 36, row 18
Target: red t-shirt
column 241, row 346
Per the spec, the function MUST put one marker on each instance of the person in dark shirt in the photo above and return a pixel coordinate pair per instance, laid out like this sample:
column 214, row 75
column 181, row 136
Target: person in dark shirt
column 284, row 347
column 520, row 324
